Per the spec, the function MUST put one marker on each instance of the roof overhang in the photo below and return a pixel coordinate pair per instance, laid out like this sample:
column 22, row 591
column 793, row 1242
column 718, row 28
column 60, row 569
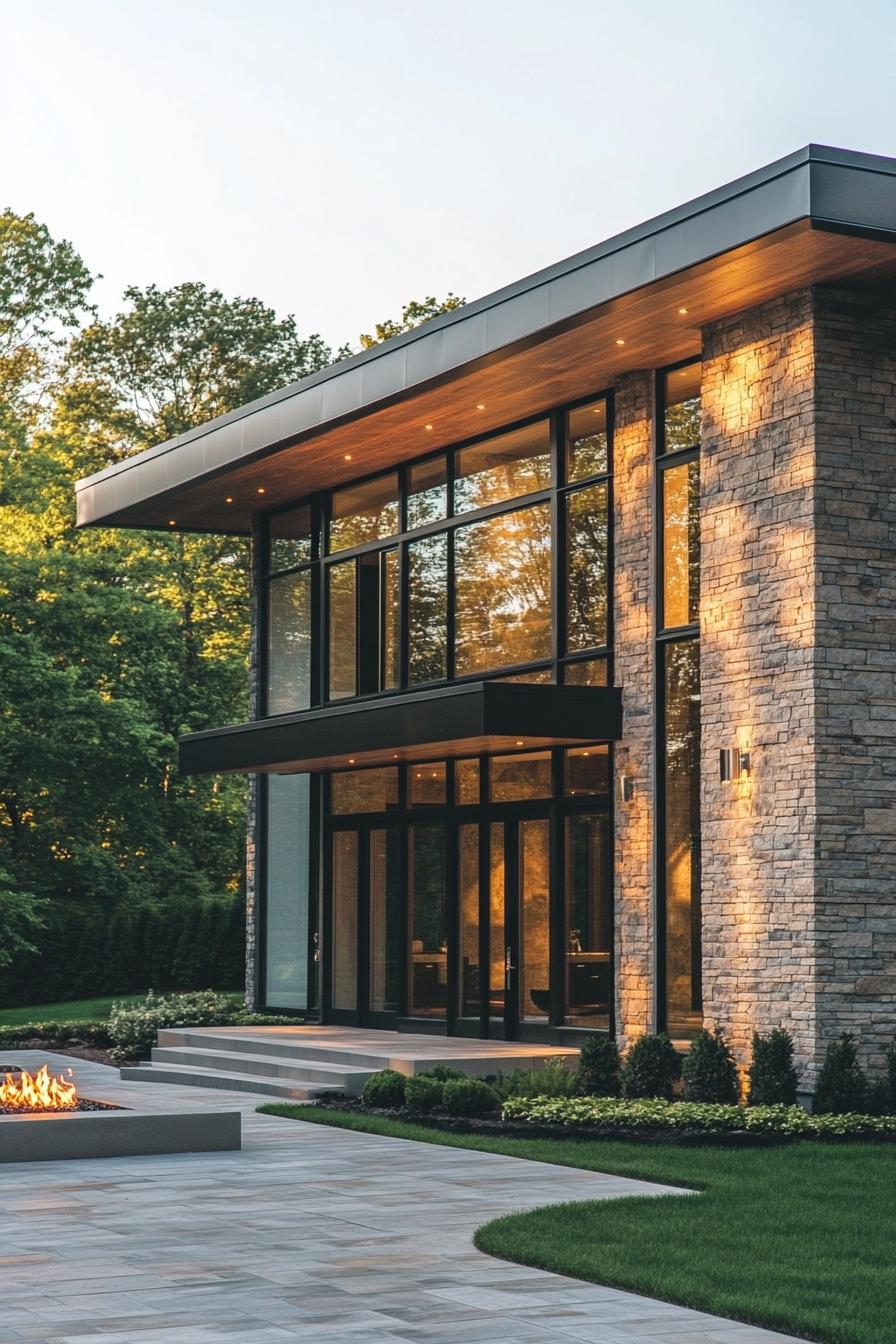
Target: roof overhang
column 462, row 720
column 818, row 216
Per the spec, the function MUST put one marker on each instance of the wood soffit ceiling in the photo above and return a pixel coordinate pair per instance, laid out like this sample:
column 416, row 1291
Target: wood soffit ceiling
column 559, row 364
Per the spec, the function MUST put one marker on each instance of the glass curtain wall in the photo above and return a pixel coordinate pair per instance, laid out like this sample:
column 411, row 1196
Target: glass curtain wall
column 492, row 558
column 678, row 698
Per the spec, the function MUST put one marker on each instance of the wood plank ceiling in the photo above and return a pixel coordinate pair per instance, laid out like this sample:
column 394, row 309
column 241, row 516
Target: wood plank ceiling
column 650, row 327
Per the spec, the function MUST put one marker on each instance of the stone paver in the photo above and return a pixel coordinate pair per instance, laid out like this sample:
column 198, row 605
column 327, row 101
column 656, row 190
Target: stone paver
column 310, row 1233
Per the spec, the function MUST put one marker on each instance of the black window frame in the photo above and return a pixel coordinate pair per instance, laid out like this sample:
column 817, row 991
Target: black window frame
column 663, row 637
column 555, row 494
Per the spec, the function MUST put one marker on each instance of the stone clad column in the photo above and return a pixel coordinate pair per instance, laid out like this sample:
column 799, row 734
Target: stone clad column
column 633, row 656
column 758, row 655
column 855, row 503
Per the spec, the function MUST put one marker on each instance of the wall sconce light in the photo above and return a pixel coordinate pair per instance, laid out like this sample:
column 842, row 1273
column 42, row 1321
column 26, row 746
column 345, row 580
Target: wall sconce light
column 627, row 788
column 734, row 764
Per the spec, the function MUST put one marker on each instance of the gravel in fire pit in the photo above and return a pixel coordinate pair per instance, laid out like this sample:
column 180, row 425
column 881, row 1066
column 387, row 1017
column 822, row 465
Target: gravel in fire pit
column 82, row 1105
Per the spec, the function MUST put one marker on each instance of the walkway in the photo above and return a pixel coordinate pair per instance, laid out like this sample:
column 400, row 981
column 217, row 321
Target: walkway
column 310, row 1233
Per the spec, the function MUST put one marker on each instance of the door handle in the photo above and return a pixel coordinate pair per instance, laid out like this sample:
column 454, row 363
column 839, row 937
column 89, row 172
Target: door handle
column 509, row 968
column 316, row 941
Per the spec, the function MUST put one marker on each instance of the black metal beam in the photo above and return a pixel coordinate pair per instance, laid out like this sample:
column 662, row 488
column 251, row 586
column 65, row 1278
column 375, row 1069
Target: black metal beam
column 451, row 721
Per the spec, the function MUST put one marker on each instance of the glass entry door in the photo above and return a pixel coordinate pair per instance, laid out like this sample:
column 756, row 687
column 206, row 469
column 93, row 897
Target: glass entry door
column 504, row 879
column 366, row 925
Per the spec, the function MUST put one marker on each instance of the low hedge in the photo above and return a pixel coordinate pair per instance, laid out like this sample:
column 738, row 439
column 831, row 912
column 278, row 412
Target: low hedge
column 133, row 1027
column 608, row 1113
column 55, row 1033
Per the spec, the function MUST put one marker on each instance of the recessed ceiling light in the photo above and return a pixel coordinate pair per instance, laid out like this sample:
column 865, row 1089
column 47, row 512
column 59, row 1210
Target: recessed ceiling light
column 427, row 426
column 348, row 457
column 480, row 406
column 351, row 760
column 229, row 499
column 620, row 340
column 683, row 312
column 170, row 522
column 519, row 744
column 261, row 489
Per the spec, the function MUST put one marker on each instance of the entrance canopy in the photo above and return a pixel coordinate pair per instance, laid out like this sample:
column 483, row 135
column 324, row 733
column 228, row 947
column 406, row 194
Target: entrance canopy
column 462, row 720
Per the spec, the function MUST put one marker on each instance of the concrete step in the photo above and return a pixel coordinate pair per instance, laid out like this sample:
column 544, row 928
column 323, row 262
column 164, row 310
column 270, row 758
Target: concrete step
column 294, row 1047
column 291, row 1048
column 269, row 1066
column 186, row 1076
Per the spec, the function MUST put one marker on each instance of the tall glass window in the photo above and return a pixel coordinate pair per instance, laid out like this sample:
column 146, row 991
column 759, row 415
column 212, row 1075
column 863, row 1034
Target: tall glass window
column 289, row 642
column 678, row 672
column 502, row 575
column 286, row 886
column 489, row 559
column 586, row 541
column 428, row 962
column 343, row 631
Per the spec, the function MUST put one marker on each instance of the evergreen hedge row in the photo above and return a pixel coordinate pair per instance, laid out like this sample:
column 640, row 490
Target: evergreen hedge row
column 89, row 951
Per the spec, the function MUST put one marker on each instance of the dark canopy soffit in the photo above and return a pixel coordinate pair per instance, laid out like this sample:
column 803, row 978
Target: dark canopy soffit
column 459, row 720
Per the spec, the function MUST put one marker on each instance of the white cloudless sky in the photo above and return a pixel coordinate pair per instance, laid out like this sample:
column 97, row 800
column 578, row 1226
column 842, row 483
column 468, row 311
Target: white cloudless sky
column 337, row 159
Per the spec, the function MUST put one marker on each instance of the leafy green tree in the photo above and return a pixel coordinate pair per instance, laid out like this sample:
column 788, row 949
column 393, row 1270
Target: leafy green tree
column 20, row 920
column 413, row 314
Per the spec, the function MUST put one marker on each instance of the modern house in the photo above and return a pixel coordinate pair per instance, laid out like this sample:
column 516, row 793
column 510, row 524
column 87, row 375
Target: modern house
column 574, row 650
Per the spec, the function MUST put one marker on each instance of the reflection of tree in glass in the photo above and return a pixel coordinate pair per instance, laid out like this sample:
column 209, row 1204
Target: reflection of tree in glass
column 512, row 464
column 587, row 456
column 427, row 609
column 682, row 816
column 683, row 425
column 681, row 544
column 587, row 582
column 503, row 585
column 364, row 513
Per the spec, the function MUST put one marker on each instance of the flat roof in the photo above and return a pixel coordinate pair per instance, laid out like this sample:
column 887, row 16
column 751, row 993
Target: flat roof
column 637, row 300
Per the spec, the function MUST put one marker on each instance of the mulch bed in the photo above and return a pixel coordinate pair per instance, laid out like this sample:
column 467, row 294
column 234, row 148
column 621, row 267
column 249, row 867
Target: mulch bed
column 525, row 1129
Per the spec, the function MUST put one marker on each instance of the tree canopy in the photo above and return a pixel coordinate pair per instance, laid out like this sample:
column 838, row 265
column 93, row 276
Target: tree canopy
column 112, row 643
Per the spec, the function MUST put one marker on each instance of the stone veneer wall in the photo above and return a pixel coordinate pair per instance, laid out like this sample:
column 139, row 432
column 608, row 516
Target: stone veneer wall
column 633, row 452
column 252, row 810
column 855, row 495
column 798, row 565
column 757, row 633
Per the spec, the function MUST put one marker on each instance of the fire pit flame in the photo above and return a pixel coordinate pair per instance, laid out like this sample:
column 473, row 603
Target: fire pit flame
column 38, row 1092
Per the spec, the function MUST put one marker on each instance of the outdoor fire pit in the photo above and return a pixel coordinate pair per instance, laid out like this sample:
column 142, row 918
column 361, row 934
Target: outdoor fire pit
column 43, row 1119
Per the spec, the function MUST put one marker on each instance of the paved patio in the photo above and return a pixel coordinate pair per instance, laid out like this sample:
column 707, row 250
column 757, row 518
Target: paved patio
column 310, row 1233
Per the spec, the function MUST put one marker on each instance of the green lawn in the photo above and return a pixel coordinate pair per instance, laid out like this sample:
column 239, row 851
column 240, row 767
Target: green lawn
column 799, row 1238
column 76, row 1010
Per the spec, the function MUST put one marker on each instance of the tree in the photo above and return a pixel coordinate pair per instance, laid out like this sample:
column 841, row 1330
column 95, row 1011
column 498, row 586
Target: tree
column 413, row 314
column 20, row 920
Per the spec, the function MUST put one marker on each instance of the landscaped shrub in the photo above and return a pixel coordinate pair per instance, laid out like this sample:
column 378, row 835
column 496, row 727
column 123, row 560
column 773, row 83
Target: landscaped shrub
column 652, row 1067
column 469, row 1097
column 444, row 1071
column 881, row 1097
column 423, row 1092
column 133, row 1028
column 554, row 1079
column 709, row 1070
column 841, row 1086
column 599, row 1067
column 386, row 1089
column 772, row 1076
column 609, row 1113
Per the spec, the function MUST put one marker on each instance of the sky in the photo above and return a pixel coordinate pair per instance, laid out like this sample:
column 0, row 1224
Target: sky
column 336, row 159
